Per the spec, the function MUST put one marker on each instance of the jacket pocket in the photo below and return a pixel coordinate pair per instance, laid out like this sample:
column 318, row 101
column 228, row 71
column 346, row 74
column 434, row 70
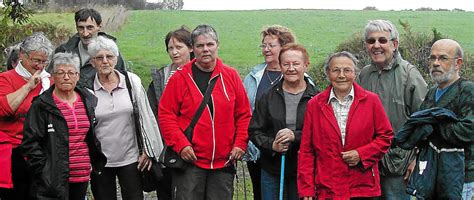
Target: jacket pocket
column 363, row 178
column 46, row 183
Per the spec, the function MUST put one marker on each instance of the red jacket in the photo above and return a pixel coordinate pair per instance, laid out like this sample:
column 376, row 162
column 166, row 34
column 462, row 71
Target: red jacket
column 213, row 138
column 11, row 122
column 321, row 171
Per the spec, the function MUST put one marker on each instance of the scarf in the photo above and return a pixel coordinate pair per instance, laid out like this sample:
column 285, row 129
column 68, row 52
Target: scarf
column 45, row 82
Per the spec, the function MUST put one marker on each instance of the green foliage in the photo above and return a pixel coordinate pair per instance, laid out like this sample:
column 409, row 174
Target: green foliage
column 414, row 47
column 14, row 12
column 12, row 34
column 320, row 31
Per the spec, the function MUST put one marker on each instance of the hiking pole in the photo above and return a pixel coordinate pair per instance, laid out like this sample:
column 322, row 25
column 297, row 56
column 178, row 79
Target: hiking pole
column 282, row 175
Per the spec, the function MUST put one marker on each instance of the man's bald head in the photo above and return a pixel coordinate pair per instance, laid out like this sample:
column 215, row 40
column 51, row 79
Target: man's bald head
column 450, row 45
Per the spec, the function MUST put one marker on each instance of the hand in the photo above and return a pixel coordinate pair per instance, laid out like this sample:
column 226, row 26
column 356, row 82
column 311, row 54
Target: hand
column 307, row 198
column 282, row 140
column 187, row 154
column 34, row 80
column 285, row 136
column 351, row 157
column 236, row 153
column 410, row 169
column 144, row 162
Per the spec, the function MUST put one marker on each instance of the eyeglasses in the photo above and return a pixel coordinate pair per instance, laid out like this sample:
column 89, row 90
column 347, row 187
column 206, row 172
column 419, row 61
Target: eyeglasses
column 345, row 71
column 101, row 58
column 36, row 61
column 382, row 40
column 269, row 46
column 442, row 58
column 63, row 73
column 288, row 65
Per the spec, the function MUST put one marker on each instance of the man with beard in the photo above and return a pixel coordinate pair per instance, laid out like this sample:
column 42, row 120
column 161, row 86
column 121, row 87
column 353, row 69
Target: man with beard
column 456, row 94
column 401, row 89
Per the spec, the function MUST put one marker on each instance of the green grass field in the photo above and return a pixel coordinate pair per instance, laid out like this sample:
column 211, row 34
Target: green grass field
column 141, row 38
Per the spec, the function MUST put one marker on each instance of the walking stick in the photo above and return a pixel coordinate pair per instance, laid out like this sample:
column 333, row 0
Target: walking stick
column 282, row 175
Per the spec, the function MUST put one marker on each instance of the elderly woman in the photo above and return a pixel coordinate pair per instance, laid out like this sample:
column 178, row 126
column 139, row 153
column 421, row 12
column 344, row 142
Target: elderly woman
column 18, row 88
column 346, row 132
column 122, row 109
column 59, row 141
column 179, row 48
column 277, row 122
column 220, row 134
column 258, row 81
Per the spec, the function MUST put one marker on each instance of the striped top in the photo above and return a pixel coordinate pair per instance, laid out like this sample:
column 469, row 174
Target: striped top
column 78, row 125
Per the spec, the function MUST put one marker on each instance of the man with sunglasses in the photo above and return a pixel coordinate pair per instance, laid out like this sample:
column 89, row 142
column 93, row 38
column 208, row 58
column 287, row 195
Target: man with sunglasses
column 88, row 25
column 18, row 88
column 401, row 88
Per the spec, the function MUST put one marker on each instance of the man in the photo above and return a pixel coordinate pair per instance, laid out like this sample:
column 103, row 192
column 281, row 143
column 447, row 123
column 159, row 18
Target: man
column 18, row 88
column 88, row 24
column 401, row 88
column 220, row 135
column 456, row 94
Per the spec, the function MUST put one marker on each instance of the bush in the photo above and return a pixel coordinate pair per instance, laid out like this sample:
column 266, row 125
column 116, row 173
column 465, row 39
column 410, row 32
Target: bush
column 414, row 47
column 12, row 34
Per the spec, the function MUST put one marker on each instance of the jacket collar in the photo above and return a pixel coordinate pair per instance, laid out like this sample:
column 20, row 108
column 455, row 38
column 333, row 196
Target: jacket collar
column 309, row 92
column 47, row 99
column 359, row 94
column 217, row 69
column 257, row 71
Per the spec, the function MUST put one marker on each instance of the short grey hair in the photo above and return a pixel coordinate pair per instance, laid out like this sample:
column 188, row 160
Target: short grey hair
column 102, row 43
column 379, row 25
column 37, row 42
column 66, row 59
column 341, row 54
column 204, row 29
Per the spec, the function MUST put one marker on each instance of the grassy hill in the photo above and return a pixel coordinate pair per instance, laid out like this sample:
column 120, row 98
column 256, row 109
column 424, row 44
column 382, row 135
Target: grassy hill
column 141, row 38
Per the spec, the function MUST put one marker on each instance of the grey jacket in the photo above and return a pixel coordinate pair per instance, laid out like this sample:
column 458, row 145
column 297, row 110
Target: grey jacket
column 401, row 89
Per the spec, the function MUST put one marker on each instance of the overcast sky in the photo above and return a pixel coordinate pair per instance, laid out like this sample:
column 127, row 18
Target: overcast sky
column 324, row 4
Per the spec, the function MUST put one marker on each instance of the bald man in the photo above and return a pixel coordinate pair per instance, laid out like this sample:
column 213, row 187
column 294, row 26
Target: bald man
column 456, row 94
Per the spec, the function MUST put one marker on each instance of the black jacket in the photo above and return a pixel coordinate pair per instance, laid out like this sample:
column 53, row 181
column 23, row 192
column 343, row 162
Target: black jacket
column 268, row 118
column 156, row 88
column 46, row 145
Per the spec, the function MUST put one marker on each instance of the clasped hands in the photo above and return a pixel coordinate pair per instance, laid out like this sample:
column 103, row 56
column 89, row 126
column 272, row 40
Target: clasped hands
column 282, row 140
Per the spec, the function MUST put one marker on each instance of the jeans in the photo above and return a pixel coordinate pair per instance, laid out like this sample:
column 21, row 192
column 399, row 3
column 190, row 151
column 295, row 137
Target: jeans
column 468, row 191
column 270, row 186
column 104, row 185
column 393, row 188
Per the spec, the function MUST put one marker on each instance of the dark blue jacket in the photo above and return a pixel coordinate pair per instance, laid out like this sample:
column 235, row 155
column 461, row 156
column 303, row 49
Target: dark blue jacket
column 439, row 171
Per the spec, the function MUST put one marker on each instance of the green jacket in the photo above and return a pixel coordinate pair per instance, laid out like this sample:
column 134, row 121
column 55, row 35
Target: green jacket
column 401, row 89
column 459, row 98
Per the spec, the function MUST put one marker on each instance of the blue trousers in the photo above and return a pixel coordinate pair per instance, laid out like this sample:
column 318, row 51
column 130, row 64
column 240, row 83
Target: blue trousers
column 270, row 185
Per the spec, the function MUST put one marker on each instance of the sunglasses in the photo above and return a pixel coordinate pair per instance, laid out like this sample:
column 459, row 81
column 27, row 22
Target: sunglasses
column 382, row 40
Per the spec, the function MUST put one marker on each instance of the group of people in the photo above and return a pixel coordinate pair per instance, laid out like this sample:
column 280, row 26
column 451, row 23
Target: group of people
column 82, row 117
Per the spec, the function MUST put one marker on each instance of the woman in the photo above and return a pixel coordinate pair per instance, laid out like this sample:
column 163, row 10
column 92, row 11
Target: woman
column 120, row 98
column 59, row 141
column 258, row 81
column 179, row 48
column 346, row 132
column 220, row 134
column 18, row 88
column 277, row 122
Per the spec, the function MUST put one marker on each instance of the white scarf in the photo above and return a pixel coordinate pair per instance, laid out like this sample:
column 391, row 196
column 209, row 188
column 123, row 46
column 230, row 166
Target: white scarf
column 45, row 83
